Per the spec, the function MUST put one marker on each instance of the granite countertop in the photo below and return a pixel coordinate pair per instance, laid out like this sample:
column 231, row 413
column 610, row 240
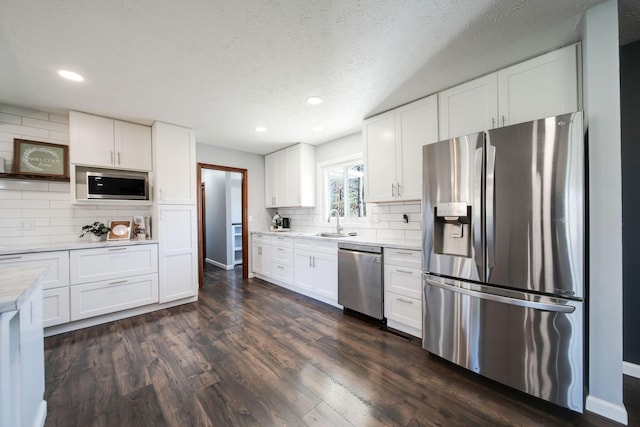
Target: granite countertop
column 393, row 243
column 17, row 285
column 63, row 246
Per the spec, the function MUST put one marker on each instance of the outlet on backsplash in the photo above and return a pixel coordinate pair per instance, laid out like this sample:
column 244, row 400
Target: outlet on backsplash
column 26, row 225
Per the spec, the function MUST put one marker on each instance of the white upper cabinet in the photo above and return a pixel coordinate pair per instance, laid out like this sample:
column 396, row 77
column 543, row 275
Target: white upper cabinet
column 469, row 107
column 133, row 146
column 174, row 151
column 544, row 86
column 393, row 150
column 541, row 87
column 290, row 177
column 104, row 142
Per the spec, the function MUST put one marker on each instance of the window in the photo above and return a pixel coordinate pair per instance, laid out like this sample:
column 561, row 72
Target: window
column 344, row 189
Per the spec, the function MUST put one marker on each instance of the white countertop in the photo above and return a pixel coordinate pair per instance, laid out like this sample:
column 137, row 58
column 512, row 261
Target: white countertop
column 63, row 246
column 365, row 240
column 16, row 285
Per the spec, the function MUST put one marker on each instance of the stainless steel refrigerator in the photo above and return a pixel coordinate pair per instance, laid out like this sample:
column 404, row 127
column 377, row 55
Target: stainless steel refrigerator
column 503, row 256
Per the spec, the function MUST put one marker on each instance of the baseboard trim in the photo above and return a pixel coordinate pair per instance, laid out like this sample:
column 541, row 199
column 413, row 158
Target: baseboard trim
column 218, row 264
column 631, row 369
column 607, row 409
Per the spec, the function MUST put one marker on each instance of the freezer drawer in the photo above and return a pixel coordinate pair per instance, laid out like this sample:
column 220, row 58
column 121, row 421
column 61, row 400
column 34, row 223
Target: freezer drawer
column 531, row 343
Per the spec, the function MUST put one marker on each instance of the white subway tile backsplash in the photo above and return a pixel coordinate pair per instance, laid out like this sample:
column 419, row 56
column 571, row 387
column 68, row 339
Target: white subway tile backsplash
column 63, row 187
column 10, row 195
column 9, row 232
column 26, row 204
column 58, row 118
column 18, row 111
column 10, row 118
column 10, row 213
column 47, row 213
column 15, row 184
column 42, row 195
column 44, row 124
column 59, row 137
column 23, row 131
column 405, row 209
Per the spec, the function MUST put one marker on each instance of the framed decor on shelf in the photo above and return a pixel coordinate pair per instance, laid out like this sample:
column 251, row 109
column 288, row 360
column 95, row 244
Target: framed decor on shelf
column 40, row 159
column 119, row 230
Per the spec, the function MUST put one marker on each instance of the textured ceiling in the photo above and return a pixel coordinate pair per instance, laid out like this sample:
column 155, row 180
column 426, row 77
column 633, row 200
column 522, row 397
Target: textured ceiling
column 224, row 67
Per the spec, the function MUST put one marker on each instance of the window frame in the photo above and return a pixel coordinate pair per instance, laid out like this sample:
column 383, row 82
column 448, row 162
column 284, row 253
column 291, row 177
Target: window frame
column 323, row 185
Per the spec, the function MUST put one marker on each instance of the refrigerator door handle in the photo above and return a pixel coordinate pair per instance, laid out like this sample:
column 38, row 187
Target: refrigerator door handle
column 490, row 203
column 543, row 306
column 477, row 212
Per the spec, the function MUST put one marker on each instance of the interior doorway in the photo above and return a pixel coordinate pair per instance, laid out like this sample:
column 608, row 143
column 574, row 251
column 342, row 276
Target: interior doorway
column 203, row 168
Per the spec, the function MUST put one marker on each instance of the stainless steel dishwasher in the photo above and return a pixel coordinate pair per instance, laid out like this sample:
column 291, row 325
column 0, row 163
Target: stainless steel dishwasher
column 360, row 278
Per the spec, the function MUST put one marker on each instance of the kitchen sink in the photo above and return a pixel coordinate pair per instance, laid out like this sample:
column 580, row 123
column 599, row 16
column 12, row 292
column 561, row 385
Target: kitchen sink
column 329, row 234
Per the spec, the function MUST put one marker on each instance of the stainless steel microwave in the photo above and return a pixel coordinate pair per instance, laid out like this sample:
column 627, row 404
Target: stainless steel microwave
column 117, row 186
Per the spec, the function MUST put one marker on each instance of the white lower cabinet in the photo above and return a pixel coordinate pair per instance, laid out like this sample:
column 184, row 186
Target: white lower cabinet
column 94, row 299
column 282, row 259
column 55, row 281
column 316, row 269
column 261, row 254
column 110, row 279
column 403, row 290
column 55, row 306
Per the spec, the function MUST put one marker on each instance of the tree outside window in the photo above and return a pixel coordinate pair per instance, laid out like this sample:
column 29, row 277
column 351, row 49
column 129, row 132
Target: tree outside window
column 345, row 189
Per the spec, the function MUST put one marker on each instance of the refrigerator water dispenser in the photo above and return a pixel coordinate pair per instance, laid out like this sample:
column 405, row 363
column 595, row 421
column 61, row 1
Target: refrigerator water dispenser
column 452, row 229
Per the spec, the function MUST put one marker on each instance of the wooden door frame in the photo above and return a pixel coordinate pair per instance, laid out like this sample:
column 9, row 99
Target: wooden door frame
column 245, row 220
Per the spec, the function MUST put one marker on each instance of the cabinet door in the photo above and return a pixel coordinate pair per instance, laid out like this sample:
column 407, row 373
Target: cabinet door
column 417, row 126
column 55, row 306
column 91, row 265
column 468, row 108
column 270, row 180
column 379, row 135
column 540, row 87
column 177, row 252
column 175, row 164
column 91, row 140
column 292, row 177
column 326, row 276
column 303, row 272
column 32, row 404
column 95, row 299
column 132, row 146
column 57, row 262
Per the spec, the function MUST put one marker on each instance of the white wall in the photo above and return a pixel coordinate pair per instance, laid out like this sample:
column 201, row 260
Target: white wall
column 602, row 101
column 40, row 212
column 216, row 216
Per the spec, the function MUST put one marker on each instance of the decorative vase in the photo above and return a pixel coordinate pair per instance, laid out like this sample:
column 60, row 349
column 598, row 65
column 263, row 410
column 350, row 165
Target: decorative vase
column 95, row 238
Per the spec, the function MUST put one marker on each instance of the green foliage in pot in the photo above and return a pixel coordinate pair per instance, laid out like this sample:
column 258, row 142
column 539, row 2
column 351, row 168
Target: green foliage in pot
column 97, row 229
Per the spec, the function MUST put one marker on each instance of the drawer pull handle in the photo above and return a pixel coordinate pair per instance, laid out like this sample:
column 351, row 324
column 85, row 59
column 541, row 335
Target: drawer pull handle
column 10, row 258
column 119, row 282
column 405, row 253
column 404, row 271
column 280, row 249
column 117, row 249
column 280, row 267
column 405, row 300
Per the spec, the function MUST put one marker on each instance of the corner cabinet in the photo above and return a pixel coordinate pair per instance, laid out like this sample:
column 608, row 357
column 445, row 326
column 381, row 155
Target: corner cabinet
column 175, row 215
column 104, row 142
column 393, row 150
column 544, row 86
column 290, row 177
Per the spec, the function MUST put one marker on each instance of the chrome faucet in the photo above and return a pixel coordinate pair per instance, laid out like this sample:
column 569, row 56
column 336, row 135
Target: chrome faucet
column 338, row 228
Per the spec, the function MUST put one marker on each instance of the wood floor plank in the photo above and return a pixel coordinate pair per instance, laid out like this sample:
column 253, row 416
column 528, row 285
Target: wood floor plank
column 252, row 353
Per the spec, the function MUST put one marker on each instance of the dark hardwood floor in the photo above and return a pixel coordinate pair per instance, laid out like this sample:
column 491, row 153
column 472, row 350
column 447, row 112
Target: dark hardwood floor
column 250, row 353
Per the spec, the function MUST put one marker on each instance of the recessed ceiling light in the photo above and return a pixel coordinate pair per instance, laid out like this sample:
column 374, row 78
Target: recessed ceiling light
column 314, row 100
column 260, row 129
column 317, row 128
column 70, row 75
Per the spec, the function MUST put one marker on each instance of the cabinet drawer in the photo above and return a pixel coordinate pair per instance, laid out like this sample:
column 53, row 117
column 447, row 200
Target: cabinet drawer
column 326, row 247
column 92, row 265
column 403, row 281
column 261, row 238
column 55, row 306
column 284, row 273
column 403, row 258
column 98, row 298
column 58, row 263
column 282, row 256
column 281, row 241
column 403, row 309
column 303, row 244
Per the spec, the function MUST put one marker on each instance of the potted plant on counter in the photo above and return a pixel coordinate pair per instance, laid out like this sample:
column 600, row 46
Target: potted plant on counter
column 96, row 230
